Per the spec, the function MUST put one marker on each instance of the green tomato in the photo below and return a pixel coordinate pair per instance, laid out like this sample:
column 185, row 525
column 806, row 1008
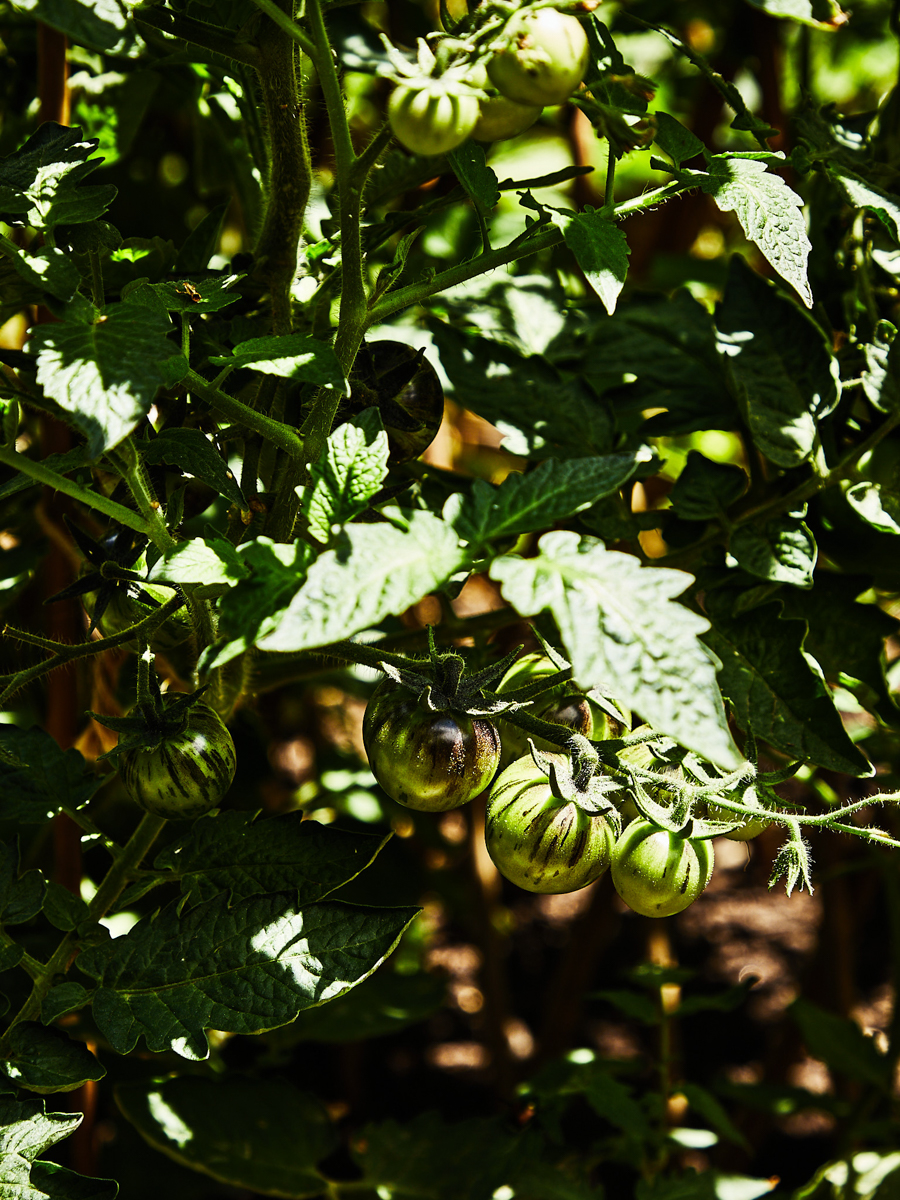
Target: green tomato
column 544, row 60
column 431, row 761
column 561, row 705
column 643, row 755
column 430, row 117
column 187, row 774
column 129, row 604
column 658, row 873
column 501, row 118
column 538, row 841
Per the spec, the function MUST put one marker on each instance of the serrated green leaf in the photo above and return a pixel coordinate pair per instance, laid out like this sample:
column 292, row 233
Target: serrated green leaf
column 378, row 570
column 239, row 969
column 862, row 194
column 633, row 1004
column 471, row 169
column 37, row 779
column 620, row 626
column 881, row 378
column 600, row 250
column 540, row 414
column 64, row 998
column 877, row 505
column 846, row 638
column 196, row 296
column 207, row 561
column 49, row 269
column 430, row 1159
column 41, row 182
column 769, row 212
column 292, row 356
column 105, row 373
column 384, row 1004
column 784, row 374
column 254, row 606
column 840, row 1044
column 25, row 1131
column 260, row 1135
column 59, row 1183
column 782, row 551
column 706, row 1104
column 347, row 476
column 47, row 1060
column 542, row 497
column 821, row 14
column 675, row 140
column 777, row 692
column 668, row 347
column 194, row 453
column 705, row 489
column 21, row 897
column 103, row 24
column 612, row 1100
column 234, row 853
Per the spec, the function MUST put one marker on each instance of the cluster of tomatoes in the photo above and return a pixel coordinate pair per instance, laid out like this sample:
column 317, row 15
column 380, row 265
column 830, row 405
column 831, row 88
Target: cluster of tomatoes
column 543, row 836
column 537, row 58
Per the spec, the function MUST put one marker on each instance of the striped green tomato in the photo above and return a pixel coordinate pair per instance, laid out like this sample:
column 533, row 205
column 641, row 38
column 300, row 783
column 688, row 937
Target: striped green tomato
column 186, row 774
column 658, row 873
column 538, row 841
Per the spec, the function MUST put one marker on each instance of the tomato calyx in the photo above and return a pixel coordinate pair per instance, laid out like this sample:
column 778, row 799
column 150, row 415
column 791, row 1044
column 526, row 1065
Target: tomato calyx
column 114, row 559
column 577, row 777
column 444, row 686
column 153, row 721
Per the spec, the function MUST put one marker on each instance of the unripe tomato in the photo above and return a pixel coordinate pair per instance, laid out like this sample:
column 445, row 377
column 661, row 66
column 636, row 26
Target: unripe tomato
column 188, row 773
column 403, row 385
column 430, row 118
column 427, row 760
column 561, row 705
column 501, row 118
column 538, row 841
column 643, row 755
column 658, row 873
column 545, row 59
column 128, row 605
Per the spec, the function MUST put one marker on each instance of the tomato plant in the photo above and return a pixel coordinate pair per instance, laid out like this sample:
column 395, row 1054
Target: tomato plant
column 427, row 760
column 540, row 841
column 544, row 59
column 185, row 773
column 341, row 396
column 658, row 873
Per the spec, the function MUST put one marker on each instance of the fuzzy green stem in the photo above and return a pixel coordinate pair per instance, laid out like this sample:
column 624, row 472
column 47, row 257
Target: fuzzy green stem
column 135, row 476
column 351, row 182
column 66, row 654
column 291, row 28
column 36, row 470
column 290, row 165
column 274, row 431
column 108, row 892
column 96, row 279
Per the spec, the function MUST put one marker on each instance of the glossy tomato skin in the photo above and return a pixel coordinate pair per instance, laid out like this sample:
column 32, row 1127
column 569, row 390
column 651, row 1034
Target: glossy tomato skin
column 545, row 59
column 429, row 119
column 658, row 873
column 560, row 706
column 187, row 774
column 501, row 118
column 431, row 761
column 539, row 842
column 402, row 384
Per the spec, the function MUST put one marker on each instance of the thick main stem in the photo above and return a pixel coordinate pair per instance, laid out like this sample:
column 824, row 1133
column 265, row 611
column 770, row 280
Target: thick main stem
column 290, row 168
